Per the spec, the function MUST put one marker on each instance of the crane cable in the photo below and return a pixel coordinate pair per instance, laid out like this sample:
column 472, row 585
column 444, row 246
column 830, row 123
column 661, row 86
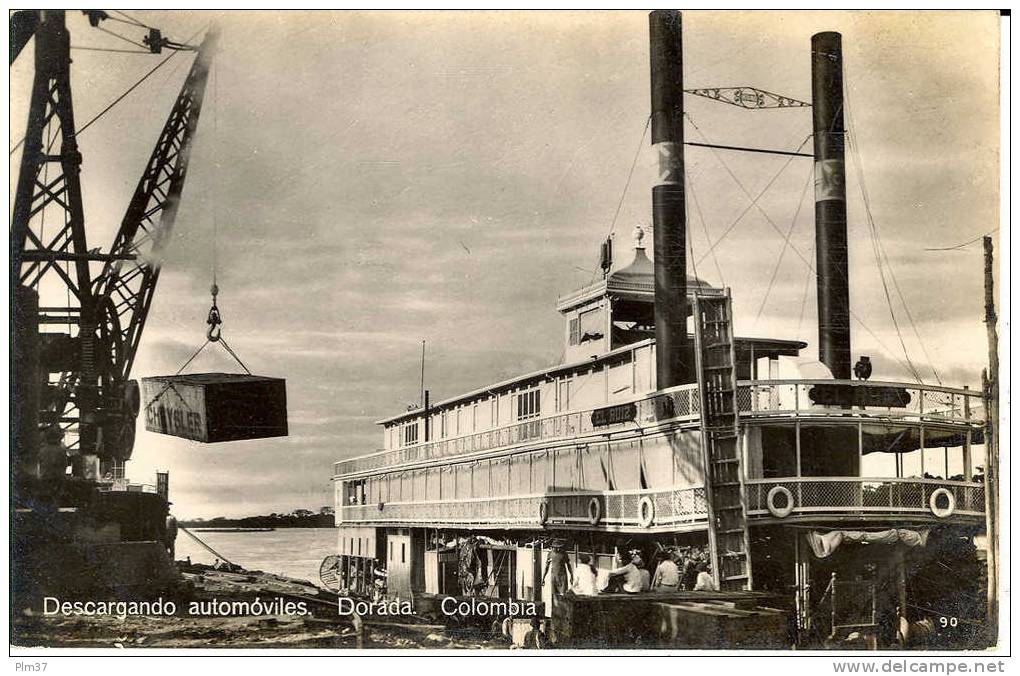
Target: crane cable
column 214, row 319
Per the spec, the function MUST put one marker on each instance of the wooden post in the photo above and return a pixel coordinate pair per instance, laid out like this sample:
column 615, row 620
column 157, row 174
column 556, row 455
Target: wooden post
column 990, row 386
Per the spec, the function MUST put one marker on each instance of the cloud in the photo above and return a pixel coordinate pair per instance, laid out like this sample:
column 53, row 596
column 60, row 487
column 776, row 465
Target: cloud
column 368, row 180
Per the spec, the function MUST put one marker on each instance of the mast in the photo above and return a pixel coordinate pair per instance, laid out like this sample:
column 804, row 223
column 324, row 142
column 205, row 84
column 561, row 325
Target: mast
column 672, row 364
column 830, row 204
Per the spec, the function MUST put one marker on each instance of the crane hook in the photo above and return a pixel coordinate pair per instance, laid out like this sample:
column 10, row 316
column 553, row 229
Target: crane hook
column 213, row 320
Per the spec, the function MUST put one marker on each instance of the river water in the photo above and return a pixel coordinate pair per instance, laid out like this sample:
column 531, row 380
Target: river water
column 293, row 552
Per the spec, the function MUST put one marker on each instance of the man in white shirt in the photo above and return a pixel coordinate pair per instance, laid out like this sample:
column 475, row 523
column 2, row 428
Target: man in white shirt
column 584, row 577
column 705, row 582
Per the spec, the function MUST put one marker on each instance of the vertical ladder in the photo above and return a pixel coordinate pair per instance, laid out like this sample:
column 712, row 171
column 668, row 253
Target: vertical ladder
column 728, row 537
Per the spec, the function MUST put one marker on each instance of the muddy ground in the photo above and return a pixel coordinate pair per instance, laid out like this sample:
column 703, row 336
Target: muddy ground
column 321, row 628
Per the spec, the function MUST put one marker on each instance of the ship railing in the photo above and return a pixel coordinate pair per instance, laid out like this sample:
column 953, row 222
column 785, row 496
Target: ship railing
column 122, row 485
column 921, row 403
column 867, row 496
column 671, row 507
column 678, row 403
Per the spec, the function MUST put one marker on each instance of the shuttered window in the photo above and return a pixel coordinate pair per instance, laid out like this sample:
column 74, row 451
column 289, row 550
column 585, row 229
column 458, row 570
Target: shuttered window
column 529, row 404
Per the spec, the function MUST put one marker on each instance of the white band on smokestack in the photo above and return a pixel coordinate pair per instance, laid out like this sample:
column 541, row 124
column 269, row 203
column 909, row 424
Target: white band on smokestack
column 669, row 163
column 830, row 182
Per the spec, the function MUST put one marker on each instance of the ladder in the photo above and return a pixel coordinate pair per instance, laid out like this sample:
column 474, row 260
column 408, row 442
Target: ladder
column 729, row 541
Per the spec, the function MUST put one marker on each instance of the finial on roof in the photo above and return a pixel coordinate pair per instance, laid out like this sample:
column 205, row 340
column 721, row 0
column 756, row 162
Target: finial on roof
column 639, row 235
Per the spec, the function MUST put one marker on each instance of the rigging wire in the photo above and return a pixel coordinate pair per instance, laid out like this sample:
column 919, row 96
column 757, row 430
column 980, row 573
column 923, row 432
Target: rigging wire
column 111, row 105
column 121, row 37
column 626, row 186
column 803, row 299
column 879, row 249
column 965, row 244
column 108, row 49
column 130, row 19
column 786, row 244
column 690, row 238
column 118, row 99
column 704, row 227
column 794, row 248
column 753, row 199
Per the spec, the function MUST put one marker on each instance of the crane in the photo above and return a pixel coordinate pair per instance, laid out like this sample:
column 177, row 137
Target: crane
column 72, row 379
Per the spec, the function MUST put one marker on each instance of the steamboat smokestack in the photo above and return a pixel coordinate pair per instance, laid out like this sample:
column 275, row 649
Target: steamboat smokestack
column 668, row 215
column 830, row 204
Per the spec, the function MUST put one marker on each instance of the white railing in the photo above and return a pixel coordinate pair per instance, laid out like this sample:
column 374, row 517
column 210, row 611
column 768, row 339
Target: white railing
column 924, row 403
column 674, row 404
column 122, row 485
column 755, row 399
column 864, row 495
column 671, row 507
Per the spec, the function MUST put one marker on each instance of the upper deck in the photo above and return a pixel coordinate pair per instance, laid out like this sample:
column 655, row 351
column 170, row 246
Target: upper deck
column 759, row 402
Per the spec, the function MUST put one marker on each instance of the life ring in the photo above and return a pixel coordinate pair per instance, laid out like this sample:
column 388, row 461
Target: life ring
column 594, row 511
column 942, row 512
column 770, row 502
column 646, row 512
column 543, row 512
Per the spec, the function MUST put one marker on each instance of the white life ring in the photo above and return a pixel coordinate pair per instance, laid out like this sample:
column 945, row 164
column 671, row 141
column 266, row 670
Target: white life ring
column 543, row 512
column 770, row 502
column 942, row 512
column 594, row 511
column 646, row 512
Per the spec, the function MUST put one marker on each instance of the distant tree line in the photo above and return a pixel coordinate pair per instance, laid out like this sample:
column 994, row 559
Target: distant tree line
column 299, row 518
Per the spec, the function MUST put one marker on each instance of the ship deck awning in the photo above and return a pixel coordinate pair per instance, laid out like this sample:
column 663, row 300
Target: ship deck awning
column 773, row 348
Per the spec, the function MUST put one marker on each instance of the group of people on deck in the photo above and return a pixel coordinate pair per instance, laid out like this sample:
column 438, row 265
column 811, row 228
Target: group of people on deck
column 678, row 569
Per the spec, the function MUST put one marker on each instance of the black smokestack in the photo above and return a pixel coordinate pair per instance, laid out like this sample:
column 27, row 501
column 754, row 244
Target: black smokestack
column 668, row 215
column 830, row 204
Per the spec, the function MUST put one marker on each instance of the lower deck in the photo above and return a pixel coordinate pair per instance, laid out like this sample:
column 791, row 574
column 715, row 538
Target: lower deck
column 915, row 585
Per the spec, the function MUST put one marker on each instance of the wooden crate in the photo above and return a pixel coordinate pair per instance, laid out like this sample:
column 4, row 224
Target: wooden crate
column 215, row 407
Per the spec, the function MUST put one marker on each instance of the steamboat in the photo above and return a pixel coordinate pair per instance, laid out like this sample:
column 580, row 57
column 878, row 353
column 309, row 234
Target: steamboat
column 664, row 429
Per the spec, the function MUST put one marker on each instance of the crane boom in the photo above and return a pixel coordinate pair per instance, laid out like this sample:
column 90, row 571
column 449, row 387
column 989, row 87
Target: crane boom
column 128, row 280
column 93, row 322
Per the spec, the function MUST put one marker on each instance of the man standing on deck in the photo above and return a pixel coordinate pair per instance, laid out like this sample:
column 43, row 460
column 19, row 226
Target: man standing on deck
column 561, row 570
column 171, row 535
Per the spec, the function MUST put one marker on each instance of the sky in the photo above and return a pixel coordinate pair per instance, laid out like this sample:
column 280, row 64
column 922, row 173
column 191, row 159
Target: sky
column 368, row 180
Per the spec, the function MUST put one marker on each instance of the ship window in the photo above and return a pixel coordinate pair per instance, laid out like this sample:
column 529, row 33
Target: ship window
column 575, row 331
column 564, row 395
column 529, row 405
column 391, row 551
column 403, row 552
column 411, row 434
column 592, row 325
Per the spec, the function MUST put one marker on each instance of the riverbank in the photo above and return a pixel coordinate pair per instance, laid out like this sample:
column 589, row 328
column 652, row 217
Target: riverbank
column 248, row 609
